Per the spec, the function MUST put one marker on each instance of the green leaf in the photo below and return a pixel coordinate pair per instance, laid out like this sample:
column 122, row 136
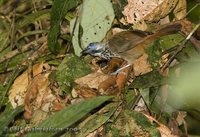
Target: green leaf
column 59, row 10
column 96, row 19
column 97, row 119
column 71, row 68
column 151, row 79
column 154, row 54
column 163, row 43
column 170, row 41
column 69, row 116
column 8, row 116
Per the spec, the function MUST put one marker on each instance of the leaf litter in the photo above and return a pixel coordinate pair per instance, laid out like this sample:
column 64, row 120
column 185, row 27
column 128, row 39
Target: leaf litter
column 66, row 86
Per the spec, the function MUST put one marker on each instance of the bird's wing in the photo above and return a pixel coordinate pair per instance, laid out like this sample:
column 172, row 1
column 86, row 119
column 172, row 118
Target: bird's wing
column 121, row 41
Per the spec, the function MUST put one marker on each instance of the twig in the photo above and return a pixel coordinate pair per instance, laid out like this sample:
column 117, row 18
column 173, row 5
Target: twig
column 191, row 33
column 23, row 49
column 192, row 9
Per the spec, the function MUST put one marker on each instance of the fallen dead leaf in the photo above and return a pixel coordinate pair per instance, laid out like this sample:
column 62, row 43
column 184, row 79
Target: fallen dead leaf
column 187, row 26
column 117, row 30
column 141, row 65
column 113, row 65
column 35, row 94
column 114, row 84
column 92, row 80
column 122, row 78
column 19, row 87
column 142, row 11
column 165, row 131
column 97, row 132
column 56, row 106
column 85, row 92
column 108, row 86
column 173, row 125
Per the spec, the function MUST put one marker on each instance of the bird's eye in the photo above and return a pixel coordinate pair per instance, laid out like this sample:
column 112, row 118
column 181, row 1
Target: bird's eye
column 95, row 51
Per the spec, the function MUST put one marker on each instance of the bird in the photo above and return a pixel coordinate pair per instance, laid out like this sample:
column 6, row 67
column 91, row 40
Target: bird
column 128, row 45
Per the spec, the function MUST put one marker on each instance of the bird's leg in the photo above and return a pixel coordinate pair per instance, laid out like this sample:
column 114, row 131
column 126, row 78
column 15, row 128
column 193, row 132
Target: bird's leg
column 120, row 69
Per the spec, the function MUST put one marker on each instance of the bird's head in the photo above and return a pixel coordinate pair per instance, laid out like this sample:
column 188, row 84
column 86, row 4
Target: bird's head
column 94, row 49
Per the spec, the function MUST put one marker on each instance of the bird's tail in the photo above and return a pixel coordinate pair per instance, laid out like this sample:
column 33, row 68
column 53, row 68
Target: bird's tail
column 169, row 29
column 166, row 30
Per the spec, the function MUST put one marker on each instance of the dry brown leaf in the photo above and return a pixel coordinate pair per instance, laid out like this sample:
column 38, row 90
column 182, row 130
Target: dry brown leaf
column 141, row 65
column 35, row 94
column 108, row 86
column 122, row 78
column 173, row 125
column 165, row 131
column 117, row 30
column 141, row 106
column 139, row 12
column 178, row 119
column 93, row 134
column 98, row 132
column 187, row 26
column 56, row 106
column 105, row 85
column 181, row 115
column 92, row 80
column 19, row 87
column 85, row 92
column 113, row 65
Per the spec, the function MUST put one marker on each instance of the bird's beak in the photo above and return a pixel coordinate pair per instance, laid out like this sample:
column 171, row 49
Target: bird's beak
column 84, row 52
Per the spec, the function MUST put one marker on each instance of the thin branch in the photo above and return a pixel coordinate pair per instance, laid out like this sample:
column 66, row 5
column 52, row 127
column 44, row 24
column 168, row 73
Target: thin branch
column 24, row 48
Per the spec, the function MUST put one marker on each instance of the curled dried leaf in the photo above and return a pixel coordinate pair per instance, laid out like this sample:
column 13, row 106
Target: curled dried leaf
column 92, row 80
column 141, row 65
column 34, row 95
column 85, row 92
column 141, row 12
column 20, row 85
column 113, row 65
column 57, row 106
column 122, row 78
column 108, row 86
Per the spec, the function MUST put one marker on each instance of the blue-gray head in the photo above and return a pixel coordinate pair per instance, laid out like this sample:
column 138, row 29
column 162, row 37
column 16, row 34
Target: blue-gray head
column 94, row 49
